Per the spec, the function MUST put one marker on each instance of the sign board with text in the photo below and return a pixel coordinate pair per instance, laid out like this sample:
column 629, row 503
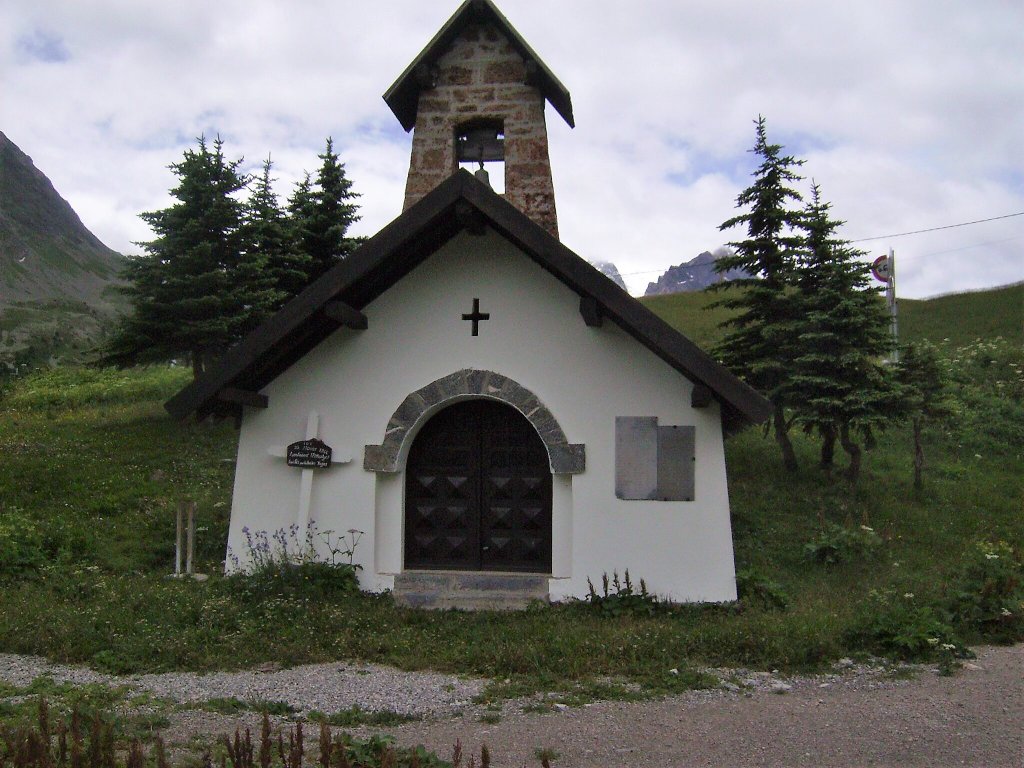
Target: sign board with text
column 309, row 454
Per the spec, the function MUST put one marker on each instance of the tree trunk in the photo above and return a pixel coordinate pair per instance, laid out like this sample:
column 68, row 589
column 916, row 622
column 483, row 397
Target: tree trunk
column 198, row 365
column 918, row 455
column 828, row 447
column 782, row 438
column 853, row 471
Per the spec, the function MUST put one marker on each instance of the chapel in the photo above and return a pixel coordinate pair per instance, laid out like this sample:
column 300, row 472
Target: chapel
column 500, row 421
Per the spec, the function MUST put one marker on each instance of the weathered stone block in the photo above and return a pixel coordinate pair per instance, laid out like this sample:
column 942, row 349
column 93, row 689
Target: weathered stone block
column 476, row 381
column 377, row 458
column 508, row 71
column 456, row 76
column 567, row 459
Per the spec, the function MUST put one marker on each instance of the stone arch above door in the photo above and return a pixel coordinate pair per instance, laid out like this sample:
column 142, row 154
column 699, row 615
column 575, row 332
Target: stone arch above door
column 564, row 457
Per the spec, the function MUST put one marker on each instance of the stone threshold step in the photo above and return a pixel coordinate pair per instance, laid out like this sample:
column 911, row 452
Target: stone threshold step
column 473, row 590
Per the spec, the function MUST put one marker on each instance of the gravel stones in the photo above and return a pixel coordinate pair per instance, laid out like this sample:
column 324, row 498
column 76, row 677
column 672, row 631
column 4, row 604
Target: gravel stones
column 328, row 688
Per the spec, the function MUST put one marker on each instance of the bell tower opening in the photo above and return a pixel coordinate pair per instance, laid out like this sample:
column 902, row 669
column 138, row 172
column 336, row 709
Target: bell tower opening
column 480, row 149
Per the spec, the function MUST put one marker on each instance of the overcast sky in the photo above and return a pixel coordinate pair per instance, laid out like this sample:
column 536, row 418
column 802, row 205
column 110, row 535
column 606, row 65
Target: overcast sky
column 909, row 114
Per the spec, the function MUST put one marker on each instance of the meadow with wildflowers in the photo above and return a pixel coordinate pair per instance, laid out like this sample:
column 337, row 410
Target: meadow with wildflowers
column 93, row 470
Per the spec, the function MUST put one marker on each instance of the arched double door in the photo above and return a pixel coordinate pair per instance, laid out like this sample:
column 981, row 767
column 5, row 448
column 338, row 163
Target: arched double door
column 478, row 492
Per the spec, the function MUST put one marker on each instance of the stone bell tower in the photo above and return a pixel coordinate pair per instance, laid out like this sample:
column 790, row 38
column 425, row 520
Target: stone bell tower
column 476, row 95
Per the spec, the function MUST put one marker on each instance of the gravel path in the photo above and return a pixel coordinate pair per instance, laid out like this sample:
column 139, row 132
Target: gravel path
column 856, row 716
column 324, row 687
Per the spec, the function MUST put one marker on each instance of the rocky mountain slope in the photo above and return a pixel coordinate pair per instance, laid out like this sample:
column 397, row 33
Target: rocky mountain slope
column 56, row 277
column 46, row 252
column 610, row 271
column 694, row 275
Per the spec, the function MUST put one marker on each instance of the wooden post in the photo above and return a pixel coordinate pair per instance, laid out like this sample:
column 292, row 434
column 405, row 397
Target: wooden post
column 191, row 549
column 178, row 538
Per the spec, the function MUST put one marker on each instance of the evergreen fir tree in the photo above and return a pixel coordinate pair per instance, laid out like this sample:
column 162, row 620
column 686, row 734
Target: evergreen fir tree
column 925, row 396
column 285, row 267
column 195, row 290
column 838, row 385
column 322, row 214
column 760, row 343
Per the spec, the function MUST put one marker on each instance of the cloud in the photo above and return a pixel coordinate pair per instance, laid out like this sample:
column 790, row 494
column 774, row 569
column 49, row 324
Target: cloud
column 908, row 114
column 39, row 45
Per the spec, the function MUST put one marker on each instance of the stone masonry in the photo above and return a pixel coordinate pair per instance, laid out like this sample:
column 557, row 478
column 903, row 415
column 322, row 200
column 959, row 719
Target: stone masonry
column 482, row 76
column 563, row 457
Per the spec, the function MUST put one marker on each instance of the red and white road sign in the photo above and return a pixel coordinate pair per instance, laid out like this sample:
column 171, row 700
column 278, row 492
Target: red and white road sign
column 880, row 269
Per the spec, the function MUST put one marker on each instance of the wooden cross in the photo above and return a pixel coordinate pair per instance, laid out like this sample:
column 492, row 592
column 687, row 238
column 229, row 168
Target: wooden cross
column 476, row 316
column 306, row 482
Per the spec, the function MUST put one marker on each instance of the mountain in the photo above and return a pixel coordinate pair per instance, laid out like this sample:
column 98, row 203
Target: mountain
column 46, row 253
column 695, row 275
column 56, row 277
column 611, row 271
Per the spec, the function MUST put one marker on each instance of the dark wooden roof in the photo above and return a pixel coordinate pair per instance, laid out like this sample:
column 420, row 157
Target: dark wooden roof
column 459, row 203
column 403, row 96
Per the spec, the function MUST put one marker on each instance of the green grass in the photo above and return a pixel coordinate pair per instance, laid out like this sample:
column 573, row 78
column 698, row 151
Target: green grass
column 88, row 542
column 692, row 315
column 138, row 716
column 961, row 318
column 357, row 716
column 91, row 459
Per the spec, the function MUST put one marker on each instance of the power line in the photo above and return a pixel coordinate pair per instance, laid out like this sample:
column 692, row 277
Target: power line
column 898, row 234
column 936, row 229
column 967, row 247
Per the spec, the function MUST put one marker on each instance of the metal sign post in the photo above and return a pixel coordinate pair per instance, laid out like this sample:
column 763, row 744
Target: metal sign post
column 890, row 295
column 884, row 270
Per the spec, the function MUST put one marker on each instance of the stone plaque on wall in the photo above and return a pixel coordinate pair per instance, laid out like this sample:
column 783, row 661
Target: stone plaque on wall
column 636, row 457
column 654, row 462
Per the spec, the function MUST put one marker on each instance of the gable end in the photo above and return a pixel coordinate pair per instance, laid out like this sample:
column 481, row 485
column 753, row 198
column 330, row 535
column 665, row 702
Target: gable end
column 393, row 252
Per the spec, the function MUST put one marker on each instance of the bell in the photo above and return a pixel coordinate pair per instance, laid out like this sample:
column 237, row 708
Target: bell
column 482, row 175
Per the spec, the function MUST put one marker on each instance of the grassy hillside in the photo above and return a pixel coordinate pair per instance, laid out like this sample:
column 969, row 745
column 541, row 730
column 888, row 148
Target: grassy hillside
column 57, row 279
column 961, row 318
column 691, row 314
column 93, row 470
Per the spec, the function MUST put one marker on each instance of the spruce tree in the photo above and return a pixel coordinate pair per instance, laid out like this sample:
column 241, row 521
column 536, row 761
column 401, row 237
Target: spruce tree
column 760, row 343
column 196, row 288
column 284, row 266
column 838, row 385
column 322, row 214
column 925, row 395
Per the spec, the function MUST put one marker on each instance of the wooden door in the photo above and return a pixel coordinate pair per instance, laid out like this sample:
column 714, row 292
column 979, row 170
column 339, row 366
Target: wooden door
column 478, row 492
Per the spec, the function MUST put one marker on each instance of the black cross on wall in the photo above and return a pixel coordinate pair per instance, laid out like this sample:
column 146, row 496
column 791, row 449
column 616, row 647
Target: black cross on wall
column 476, row 316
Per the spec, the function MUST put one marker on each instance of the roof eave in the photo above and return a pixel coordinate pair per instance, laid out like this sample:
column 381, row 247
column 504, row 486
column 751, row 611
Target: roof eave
column 389, row 254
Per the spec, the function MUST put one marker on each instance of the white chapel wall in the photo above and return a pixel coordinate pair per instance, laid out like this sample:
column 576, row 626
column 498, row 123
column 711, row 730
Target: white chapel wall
column 585, row 376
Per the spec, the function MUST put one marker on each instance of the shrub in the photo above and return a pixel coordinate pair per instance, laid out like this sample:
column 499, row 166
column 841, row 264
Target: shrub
column 898, row 626
column 839, row 544
column 753, row 588
column 21, row 543
column 94, row 742
column 282, row 564
column 619, row 597
column 988, row 388
column 987, row 595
